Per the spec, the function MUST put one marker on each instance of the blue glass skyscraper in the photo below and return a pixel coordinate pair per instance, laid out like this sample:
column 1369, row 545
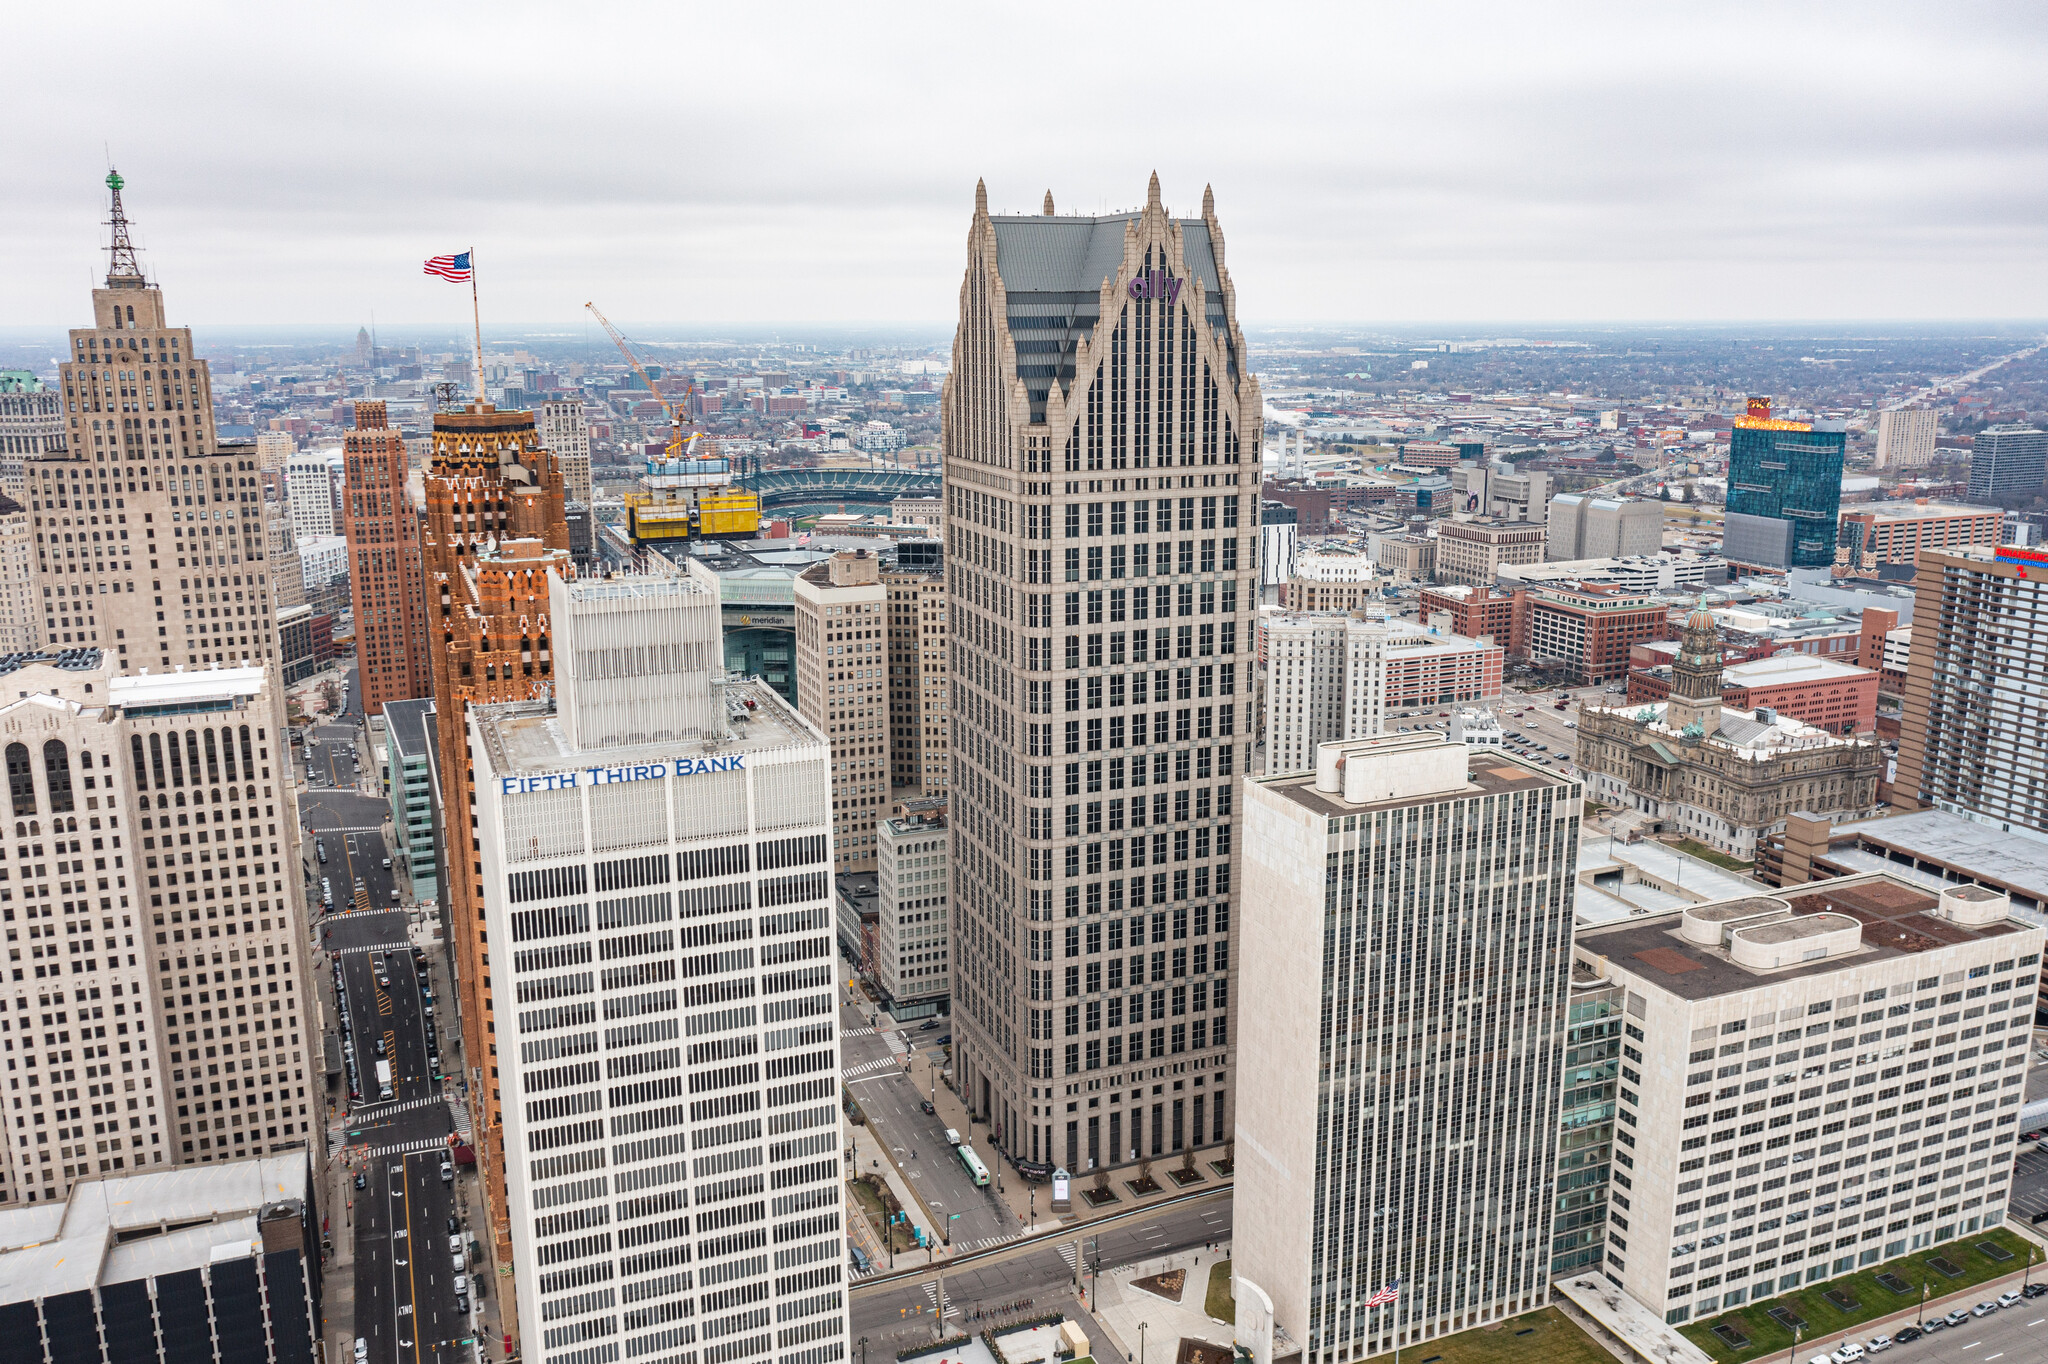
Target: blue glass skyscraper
column 1784, row 492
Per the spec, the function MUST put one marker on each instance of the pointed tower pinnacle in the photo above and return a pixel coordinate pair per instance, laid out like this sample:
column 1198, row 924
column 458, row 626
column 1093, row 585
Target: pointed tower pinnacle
column 1152, row 192
column 1048, row 203
column 981, row 196
column 121, row 263
column 1208, row 202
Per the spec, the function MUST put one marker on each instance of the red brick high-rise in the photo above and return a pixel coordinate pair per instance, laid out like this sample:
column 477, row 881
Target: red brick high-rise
column 384, row 572
column 494, row 531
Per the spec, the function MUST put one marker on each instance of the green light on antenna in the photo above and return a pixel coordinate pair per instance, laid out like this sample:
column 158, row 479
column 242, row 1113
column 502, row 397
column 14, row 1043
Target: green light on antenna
column 113, row 180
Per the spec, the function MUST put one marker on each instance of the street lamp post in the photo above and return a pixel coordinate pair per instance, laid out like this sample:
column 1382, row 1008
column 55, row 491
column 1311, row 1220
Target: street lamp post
column 1141, row 1343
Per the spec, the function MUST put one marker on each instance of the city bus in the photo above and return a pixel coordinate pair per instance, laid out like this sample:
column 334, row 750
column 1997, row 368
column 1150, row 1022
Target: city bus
column 976, row 1171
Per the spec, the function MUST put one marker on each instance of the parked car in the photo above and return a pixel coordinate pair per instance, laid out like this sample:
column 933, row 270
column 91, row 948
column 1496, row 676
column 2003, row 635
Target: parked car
column 362, row 1180
column 1957, row 1317
column 1848, row 1354
column 2034, row 1290
column 926, row 1106
column 1983, row 1309
column 1933, row 1324
column 447, row 1172
column 928, row 1025
column 2008, row 1299
column 859, row 1259
column 1906, row 1335
column 362, row 1349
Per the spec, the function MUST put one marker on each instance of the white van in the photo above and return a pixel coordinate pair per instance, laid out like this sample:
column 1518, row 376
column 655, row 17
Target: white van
column 952, row 1137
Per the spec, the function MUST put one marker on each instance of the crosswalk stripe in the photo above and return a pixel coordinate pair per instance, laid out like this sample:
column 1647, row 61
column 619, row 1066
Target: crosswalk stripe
column 407, row 1148
column 370, row 947
column 405, row 1106
column 874, row 1068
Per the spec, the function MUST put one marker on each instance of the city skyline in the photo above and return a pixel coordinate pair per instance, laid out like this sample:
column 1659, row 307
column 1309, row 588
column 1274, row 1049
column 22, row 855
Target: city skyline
column 1605, row 166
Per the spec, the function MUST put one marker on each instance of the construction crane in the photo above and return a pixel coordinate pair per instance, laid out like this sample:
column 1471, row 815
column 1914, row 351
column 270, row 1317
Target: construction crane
column 678, row 445
column 683, row 495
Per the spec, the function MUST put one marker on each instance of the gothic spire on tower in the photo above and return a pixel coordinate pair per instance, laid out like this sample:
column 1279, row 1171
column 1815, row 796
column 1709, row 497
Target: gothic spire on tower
column 121, row 263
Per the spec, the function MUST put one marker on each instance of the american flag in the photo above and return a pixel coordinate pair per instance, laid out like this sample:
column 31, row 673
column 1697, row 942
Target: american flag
column 1385, row 1295
column 450, row 267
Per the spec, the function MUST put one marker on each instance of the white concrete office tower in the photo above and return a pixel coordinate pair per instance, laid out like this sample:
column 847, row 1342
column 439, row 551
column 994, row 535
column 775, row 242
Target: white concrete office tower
column 1303, row 658
column 310, row 479
column 562, row 431
column 657, row 874
column 1810, row 1083
column 1408, row 938
column 1334, row 676
column 1905, row 437
column 915, row 934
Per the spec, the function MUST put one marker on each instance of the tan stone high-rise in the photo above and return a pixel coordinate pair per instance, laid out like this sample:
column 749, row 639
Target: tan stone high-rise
column 149, row 537
column 871, row 672
column 384, row 564
column 146, row 541
column 1101, row 437
column 494, row 531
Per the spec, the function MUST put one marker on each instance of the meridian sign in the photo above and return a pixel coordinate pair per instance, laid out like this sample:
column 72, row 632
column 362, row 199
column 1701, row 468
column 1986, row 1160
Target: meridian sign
column 605, row 776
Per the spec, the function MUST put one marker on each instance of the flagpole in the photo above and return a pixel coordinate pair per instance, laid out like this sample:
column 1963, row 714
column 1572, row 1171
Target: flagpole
column 476, row 316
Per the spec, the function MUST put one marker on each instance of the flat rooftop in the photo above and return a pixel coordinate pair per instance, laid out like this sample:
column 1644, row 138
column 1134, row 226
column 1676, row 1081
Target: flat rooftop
column 1892, row 912
column 1790, row 668
column 184, row 688
column 1491, row 772
column 1983, row 851
column 1919, row 511
column 115, row 1230
column 524, row 738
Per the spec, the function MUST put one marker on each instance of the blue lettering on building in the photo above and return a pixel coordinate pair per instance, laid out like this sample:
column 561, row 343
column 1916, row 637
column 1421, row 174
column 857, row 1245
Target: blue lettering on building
column 605, row 776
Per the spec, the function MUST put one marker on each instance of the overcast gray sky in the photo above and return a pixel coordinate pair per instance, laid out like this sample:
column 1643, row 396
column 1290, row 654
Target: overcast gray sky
column 793, row 162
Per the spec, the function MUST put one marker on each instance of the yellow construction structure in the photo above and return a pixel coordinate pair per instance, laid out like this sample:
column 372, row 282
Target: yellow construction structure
column 688, row 493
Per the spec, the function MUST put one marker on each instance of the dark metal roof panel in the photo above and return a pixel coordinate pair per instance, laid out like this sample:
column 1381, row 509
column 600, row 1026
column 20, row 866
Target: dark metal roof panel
column 1036, row 254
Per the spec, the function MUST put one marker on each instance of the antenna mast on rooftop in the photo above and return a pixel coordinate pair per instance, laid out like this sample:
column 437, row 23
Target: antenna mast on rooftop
column 121, row 263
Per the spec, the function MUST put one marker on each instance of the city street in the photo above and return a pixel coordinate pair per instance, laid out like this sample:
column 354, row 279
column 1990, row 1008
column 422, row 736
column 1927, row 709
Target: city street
column 396, row 1147
column 889, row 1312
column 405, row 1291
column 891, row 1098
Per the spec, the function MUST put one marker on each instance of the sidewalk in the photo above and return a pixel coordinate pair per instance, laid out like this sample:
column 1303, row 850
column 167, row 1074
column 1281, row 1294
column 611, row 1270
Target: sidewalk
column 871, row 1157
column 1024, row 1197
column 1121, row 1307
column 338, row 1269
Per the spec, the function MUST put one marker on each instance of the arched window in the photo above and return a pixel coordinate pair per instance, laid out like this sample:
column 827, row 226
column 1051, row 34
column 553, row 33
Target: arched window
column 21, row 779
column 177, row 762
column 212, row 759
column 192, row 754
column 248, row 765
column 227, row 752
column 141, row 765
column 57, row 774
